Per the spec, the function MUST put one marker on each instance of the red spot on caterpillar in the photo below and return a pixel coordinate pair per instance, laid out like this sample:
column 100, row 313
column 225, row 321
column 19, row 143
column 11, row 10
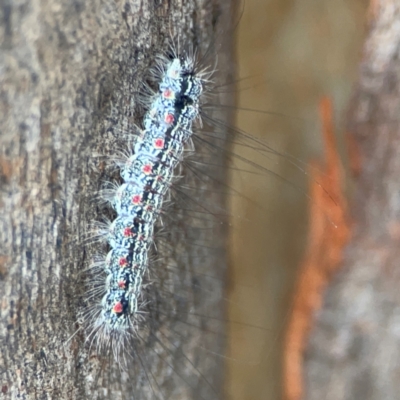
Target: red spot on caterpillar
column 169, row 118
column 168, row 94
column 122, row 262
column 159, row 143
column 118, row 308
column 136, row 199
column 127, row 232
column 121, row 285
column 147, row 168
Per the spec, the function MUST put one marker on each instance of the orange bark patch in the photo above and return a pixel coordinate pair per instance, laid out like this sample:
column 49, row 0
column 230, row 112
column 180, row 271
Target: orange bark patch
column 328, row 234
column 6, row 169
column 3, row 268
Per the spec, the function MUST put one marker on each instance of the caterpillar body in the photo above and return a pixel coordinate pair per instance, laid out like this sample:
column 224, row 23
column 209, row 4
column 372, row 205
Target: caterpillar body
column 147, row 176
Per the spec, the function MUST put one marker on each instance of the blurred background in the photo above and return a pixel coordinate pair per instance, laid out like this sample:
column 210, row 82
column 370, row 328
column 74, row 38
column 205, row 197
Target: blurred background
column 289, row 54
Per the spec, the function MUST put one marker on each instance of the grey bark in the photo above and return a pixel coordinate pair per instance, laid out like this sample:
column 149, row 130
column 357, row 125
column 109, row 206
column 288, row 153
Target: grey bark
column 71, row 72
column 354, row 349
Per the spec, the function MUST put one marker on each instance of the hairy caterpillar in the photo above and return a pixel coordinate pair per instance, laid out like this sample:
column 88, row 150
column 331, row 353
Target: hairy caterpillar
column 147, row 176
column 170, row 309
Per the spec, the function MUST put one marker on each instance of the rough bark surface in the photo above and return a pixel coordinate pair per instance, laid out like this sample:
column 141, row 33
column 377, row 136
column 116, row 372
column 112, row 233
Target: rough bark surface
column 354, row 349
column 70, row 74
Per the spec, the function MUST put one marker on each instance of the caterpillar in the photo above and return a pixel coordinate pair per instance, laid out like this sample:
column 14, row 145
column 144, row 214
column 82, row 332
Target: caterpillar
column 147, row 176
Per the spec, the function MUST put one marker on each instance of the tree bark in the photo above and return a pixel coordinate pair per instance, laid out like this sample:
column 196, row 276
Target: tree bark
column 71, row 72
column 353, row 352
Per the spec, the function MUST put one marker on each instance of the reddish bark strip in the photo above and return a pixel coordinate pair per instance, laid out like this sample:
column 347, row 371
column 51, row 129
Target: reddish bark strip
column 328, row 234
